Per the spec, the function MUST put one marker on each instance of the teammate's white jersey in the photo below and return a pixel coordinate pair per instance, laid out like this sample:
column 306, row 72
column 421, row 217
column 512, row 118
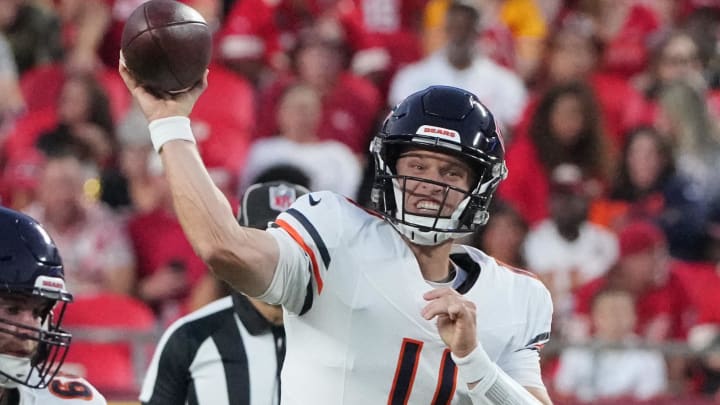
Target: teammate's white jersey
column 358, row 337
column 62, row 390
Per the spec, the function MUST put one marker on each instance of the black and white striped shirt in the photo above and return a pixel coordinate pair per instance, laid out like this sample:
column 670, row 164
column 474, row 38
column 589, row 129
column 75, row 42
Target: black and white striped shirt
column 225, row 353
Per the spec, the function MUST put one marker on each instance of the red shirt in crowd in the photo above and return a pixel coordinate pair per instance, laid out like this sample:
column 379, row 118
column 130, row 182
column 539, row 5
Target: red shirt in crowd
column 626, row 53
column 348, row 116
column 667, row 303
column 159, row 240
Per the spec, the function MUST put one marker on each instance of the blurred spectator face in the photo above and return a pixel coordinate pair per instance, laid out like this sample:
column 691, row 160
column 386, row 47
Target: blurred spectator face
column 318, row 64
column 74, row 103
column 299, row 114
column 568, row 209
column 644, row 161
column 61, row 189
column 8, row 12
column 503, row 236
column 566, row 119
column 461, row 29
column 571, row 57
column 613, row 315
column 679, row 59
column 645, row 269
column 569, row 198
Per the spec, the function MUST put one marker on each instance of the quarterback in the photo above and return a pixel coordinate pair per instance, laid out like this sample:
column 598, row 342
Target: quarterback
column 381, row 306
column 32, row 302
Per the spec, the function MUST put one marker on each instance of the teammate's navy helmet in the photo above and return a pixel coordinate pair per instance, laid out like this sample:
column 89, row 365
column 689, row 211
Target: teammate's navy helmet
column 447, row 120
column 31, row 266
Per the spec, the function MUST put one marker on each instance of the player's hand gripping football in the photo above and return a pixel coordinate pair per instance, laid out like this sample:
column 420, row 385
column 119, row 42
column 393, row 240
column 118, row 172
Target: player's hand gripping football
column 456, row 319
column 158, row 107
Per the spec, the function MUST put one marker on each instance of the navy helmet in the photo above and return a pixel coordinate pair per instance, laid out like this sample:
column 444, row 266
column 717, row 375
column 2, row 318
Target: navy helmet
column 30, row 266
column 447, row 120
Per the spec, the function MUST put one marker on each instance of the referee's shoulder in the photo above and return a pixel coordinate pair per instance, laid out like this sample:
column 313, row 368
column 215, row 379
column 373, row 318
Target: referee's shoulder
column 202, row 322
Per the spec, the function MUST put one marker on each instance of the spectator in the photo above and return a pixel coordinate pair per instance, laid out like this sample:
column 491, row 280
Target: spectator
column 512, row 31
column 460, row 63
column 33, row 33
column 566, row 250
column 571, row 55
column 645, row 269
column 694, row 133
column 236, row 339
column 84, row 24
column 12, row 102
column 96, row 249
column 330, row 165
column 624, row 27
column 85, row 128
column 565, row 128
column 317, row 61
column 621, row 371
column 85, row 125
column 503, row 236
column 703, row 285
column 648, row 187
column 675, row 56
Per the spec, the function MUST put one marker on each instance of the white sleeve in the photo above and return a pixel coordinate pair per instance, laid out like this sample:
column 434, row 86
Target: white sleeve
column 403, row 84
column 653, row 381
column 572, row 371
column 307, row 234
column 522, row 363
column 287, row 286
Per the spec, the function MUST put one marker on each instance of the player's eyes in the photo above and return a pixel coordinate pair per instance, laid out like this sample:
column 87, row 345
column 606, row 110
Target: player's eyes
column 12, row 309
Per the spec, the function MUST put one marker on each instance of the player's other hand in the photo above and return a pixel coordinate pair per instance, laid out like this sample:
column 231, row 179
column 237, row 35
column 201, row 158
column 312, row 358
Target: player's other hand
column 456, row 319
column 155, row 107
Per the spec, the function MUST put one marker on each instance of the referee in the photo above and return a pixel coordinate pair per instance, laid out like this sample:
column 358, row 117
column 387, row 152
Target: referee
column 230, row 351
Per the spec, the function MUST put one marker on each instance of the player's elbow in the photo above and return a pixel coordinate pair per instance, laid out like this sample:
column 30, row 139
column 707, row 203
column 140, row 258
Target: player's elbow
column 243, row 261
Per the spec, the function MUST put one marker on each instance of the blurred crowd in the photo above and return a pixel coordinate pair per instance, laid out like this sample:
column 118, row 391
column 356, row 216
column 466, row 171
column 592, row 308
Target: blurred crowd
column 610, row 111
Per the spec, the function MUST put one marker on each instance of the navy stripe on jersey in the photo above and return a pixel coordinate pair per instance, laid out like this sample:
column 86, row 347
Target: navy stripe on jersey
column 537, row 342
column 314, row 234
column 405, row 372
column 308, row 297
column 446, row 381
column 465, row 262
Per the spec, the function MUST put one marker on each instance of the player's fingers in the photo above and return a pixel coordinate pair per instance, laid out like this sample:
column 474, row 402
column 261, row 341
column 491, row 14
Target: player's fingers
column 199, row 87
column 440, row 292
column 437, row 306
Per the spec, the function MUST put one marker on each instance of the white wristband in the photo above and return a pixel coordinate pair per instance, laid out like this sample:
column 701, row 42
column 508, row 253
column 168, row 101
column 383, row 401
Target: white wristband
column 164, row 130
column 476, row 367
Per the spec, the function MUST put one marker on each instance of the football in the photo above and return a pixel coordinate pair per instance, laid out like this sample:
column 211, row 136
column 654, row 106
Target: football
column 166, row 45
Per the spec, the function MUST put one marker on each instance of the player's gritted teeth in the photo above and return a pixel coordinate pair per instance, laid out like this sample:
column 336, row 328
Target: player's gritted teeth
column 427, row 206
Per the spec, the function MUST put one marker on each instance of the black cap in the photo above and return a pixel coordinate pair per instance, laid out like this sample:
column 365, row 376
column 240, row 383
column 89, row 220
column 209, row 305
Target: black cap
column 263, row 202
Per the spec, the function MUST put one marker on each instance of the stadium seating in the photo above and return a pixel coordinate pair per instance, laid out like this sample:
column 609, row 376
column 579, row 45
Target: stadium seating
column 112, row 339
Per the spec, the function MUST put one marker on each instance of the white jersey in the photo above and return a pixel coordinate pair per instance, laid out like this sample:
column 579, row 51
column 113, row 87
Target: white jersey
column 352, row 290
column 62, row 390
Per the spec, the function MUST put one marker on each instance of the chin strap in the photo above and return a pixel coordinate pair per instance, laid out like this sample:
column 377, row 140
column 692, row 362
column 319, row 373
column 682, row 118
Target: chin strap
column 13, row 367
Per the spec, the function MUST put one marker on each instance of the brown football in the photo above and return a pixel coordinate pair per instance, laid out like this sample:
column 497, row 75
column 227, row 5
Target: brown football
column 166, row 46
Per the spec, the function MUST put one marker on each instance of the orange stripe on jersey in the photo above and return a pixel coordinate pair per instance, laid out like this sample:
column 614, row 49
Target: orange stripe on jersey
column 517, row 270
column 296, row 236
